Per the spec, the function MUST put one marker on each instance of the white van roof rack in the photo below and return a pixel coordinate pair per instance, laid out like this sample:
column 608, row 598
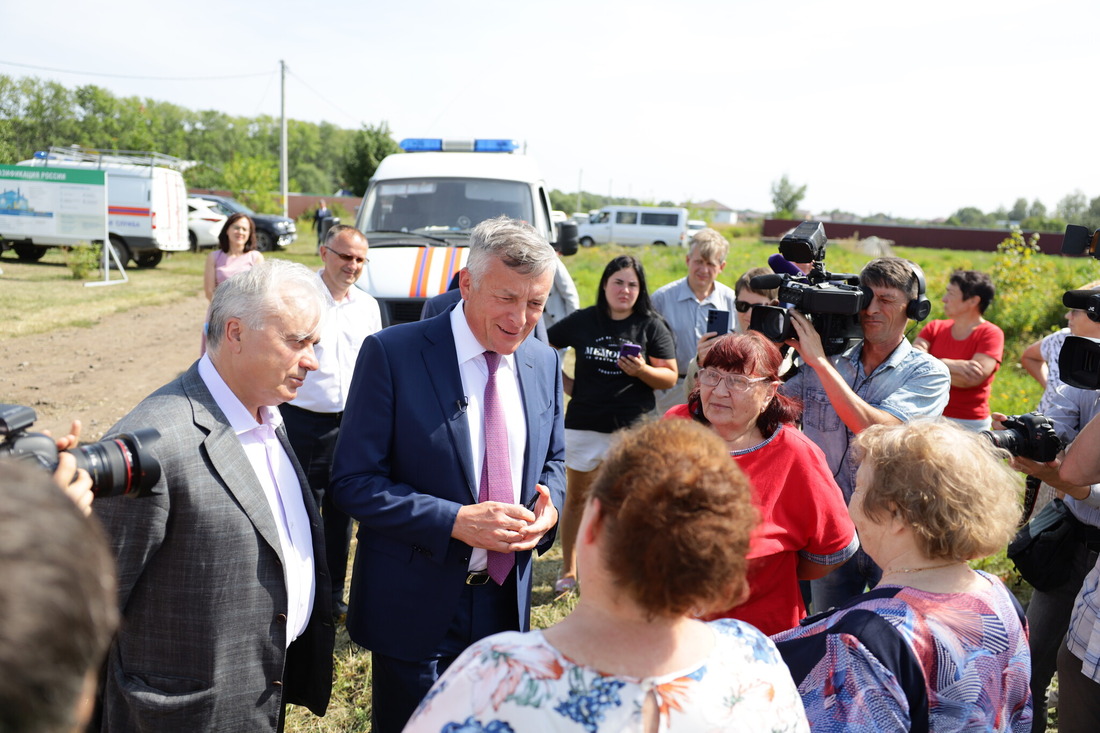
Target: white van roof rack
column 77, row 154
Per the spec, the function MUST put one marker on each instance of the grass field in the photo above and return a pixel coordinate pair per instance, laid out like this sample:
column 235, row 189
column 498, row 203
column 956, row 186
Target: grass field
column 43, row 297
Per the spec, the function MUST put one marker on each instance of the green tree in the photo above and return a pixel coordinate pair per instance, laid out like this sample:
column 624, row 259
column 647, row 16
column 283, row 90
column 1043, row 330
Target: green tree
column 1072, row 207
column 254, row 181
column 1018, row 212
column 1022, row 278
column 786, row 197
column 367, row 149
column 971, row 217
column 1037, row 209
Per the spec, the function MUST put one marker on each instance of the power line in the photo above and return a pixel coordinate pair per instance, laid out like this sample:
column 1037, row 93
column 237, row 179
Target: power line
column 134, row 76
column 322, row 97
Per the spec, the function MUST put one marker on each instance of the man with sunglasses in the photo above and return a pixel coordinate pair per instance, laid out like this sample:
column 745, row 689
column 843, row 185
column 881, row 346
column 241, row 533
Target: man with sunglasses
column 312, row 419
column 684, row 303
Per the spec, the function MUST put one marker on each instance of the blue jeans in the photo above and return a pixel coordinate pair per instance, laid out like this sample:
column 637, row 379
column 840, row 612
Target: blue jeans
column 845, row 583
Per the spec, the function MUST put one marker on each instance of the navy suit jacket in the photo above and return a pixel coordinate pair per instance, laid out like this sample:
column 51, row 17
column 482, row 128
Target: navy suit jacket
column 403, row 467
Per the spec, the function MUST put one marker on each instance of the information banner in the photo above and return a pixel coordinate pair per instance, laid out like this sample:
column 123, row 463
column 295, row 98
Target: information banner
column 53, row 204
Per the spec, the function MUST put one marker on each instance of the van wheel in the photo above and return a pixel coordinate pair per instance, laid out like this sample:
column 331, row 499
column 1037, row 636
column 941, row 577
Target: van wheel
column 194, row 241
column 659, row 243
column 149, row 259
column 27, row 252
column 586, row 241
column 122, row 249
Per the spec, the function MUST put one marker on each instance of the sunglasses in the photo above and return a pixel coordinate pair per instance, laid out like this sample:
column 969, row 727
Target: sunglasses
column 742, row 306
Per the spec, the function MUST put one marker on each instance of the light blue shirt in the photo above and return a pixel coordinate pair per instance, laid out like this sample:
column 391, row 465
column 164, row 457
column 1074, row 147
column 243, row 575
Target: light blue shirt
column 1070, row 410
column 908, row 384
column 687, row 317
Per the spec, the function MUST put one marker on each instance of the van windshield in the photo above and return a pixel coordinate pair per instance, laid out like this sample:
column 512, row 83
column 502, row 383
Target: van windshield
column 450, row 205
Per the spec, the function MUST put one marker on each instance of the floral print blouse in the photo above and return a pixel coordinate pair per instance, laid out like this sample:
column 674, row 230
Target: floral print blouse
column 515, row 682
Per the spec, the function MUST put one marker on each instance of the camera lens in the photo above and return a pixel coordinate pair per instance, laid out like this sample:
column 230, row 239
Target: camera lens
column 123, row 465
column 1008, row 439
column 772, row 321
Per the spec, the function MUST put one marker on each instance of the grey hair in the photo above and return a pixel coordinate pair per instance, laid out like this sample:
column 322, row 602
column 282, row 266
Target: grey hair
column 257, row 294
column 513, row 242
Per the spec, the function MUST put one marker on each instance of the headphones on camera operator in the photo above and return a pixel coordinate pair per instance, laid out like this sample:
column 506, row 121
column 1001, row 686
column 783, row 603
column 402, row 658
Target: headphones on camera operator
column 918, row 308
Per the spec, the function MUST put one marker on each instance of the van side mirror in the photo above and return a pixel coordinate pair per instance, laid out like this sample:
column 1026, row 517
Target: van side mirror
column 567, row 238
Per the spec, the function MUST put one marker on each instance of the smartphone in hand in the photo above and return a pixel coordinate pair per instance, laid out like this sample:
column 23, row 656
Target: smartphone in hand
column 718, row 321
column 629, row 349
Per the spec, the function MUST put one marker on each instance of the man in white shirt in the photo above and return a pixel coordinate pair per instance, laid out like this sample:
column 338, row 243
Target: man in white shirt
column 313, row 417
column 220, row 570
column 685, row 303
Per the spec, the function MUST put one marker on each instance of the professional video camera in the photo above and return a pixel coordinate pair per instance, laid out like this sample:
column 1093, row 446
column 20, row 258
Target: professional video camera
column 1079, row 359
column 1028, row 436
column 123, row 465
column 832, row 301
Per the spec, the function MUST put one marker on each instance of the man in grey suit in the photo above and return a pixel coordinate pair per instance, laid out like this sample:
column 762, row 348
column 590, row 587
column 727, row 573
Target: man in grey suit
column 223, row 586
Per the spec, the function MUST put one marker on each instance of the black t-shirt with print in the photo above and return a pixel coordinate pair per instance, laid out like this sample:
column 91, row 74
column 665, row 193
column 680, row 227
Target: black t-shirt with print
column 604, row 397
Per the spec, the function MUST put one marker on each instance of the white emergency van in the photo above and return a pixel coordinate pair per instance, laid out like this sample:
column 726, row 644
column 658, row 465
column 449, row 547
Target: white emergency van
column 146, row 202
column 630, row 225
column 420, row 206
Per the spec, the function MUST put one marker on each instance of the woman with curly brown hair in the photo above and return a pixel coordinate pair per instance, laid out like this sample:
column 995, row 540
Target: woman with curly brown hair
column 663, row 539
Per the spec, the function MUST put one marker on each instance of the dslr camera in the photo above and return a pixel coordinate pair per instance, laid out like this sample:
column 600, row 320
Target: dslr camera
column 1079, row 359
column 831, row 301
column 1028, row 436
column 120, row 466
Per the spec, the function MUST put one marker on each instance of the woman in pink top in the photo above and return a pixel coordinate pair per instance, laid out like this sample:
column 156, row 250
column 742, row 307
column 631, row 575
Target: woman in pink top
column 236, row 253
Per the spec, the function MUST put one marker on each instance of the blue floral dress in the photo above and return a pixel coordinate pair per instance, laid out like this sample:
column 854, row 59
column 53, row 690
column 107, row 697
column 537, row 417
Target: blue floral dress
column 519, row 683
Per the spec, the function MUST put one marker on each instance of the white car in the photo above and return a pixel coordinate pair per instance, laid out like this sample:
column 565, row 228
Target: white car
column 694, row 225
column 204, row 222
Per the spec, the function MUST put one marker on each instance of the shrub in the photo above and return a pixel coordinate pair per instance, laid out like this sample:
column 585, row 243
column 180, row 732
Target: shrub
column 83, row 260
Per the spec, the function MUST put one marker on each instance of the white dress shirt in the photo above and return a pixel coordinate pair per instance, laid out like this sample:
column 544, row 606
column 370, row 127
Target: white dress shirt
column 346, row 324
column 475, row 375
column 279, row 480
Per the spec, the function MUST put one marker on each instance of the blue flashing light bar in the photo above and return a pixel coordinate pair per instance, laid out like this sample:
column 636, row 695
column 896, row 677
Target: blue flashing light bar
column 435, row 145
column 495, row 146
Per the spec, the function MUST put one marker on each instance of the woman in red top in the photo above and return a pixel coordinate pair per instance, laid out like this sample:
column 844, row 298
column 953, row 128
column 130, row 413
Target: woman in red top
column 804, row 531
column 970, row 346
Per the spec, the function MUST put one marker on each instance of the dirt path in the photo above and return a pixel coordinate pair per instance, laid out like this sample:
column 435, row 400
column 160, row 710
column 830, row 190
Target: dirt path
column 98, row 374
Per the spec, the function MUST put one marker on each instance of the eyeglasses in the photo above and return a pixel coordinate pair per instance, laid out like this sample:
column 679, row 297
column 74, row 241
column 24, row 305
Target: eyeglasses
column 734, row 382
column 347, row 258
column 742, row 306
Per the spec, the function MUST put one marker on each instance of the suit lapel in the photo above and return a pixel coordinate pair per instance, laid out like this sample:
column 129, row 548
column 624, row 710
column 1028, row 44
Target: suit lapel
column 229, row 460
column 529, row 388
column 441, row 366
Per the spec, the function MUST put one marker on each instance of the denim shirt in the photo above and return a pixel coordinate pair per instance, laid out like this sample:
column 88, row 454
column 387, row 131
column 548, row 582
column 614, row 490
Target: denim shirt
column 908, row 384
column 1070, row 409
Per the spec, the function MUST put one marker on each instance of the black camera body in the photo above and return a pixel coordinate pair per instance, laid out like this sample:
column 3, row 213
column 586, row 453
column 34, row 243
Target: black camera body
column 121, row 466
column 831, row 301
column 1028, row 436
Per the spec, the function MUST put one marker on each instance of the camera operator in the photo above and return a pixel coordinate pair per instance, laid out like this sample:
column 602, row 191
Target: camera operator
column 882, row 379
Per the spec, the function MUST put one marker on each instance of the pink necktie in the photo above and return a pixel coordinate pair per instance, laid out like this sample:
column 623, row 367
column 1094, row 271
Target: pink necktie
column 496, row 472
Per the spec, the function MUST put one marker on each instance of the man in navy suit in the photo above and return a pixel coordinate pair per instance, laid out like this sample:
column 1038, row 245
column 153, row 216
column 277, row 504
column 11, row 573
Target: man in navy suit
column 409, row 466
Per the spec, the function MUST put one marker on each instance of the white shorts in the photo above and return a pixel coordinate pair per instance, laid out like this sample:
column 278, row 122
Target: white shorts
column 585, row 449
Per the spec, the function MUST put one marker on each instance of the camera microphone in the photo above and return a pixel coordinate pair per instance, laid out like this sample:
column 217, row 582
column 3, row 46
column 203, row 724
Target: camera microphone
column 782, row 265
column 766, row 282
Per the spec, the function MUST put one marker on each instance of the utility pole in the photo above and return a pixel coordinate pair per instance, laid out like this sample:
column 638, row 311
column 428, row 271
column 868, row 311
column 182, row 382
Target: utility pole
column 282, row 136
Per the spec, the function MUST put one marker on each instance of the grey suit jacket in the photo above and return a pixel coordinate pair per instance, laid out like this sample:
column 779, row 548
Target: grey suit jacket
column 202, row 645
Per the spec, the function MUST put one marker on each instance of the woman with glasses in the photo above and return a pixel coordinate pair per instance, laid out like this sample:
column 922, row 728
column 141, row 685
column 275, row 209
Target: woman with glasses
column 805, row 530
column 624, row 351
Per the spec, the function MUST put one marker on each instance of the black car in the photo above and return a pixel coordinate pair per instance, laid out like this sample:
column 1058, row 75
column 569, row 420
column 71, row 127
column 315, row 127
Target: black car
column 272, row 231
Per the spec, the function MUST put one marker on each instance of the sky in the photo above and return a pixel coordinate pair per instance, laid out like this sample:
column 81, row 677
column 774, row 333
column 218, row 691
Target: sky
column 909, row 109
